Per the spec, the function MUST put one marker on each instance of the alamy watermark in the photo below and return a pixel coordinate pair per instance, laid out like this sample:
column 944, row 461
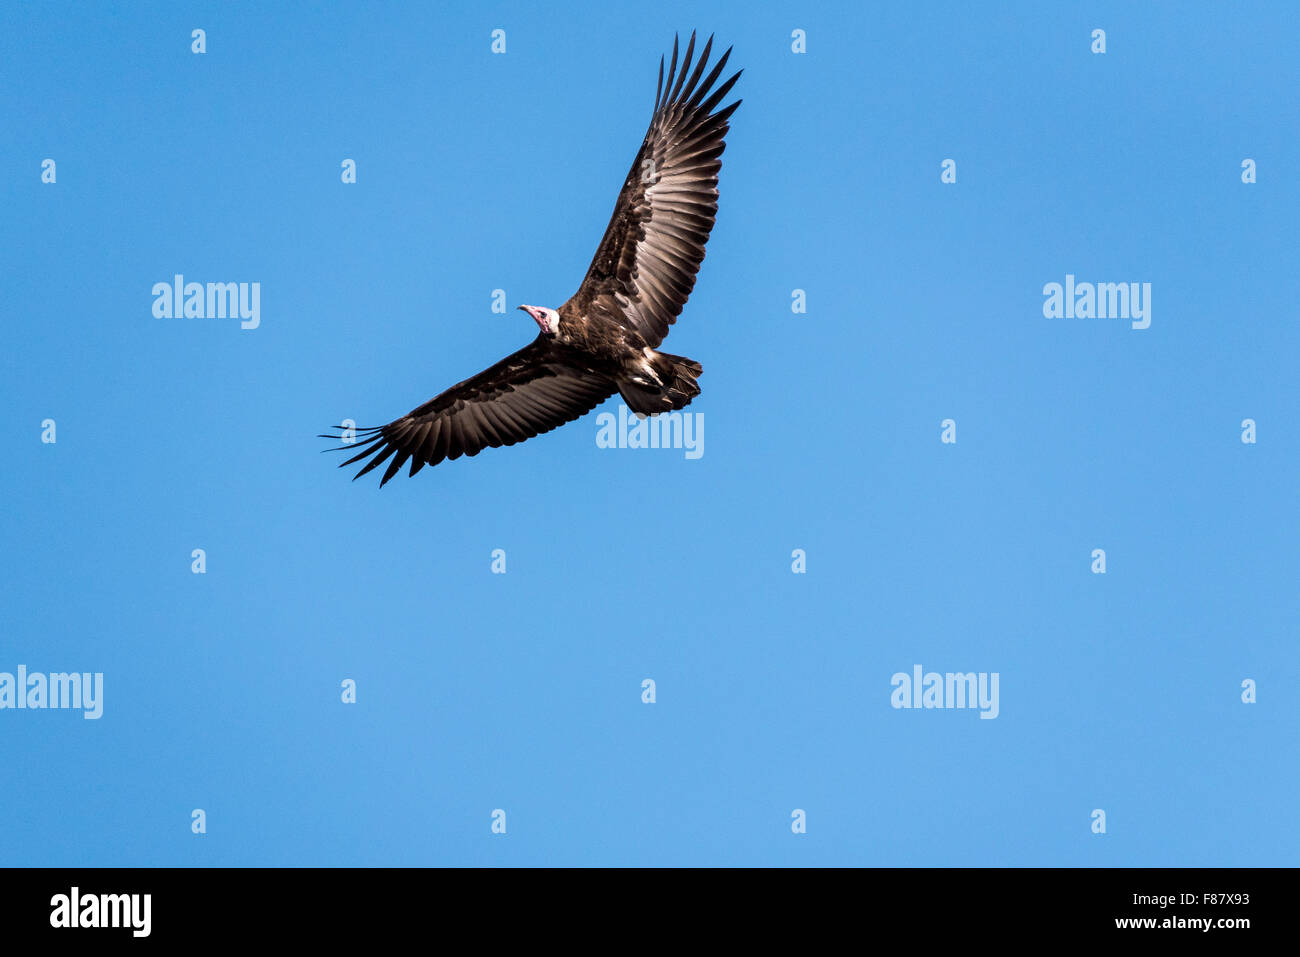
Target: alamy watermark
column 1102, row 300
column 949, row 690
column 179, row 299
column 664, row 430
column 130, row 911
column 57, row 690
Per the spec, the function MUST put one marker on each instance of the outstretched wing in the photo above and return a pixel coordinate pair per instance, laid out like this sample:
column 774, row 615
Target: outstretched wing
column 645, row 267
column 540, row 387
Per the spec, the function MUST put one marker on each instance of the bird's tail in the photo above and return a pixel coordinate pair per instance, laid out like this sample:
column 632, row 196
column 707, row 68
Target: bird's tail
column 664, row 383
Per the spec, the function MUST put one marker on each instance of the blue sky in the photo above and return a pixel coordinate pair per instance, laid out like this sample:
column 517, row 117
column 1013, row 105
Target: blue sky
column 522, row 691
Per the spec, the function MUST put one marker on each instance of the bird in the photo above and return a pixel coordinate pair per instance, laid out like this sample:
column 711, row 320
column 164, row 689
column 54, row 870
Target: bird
column 605, row 338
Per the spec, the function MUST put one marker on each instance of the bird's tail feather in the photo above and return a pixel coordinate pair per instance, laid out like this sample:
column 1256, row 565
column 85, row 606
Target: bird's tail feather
column 674, row 388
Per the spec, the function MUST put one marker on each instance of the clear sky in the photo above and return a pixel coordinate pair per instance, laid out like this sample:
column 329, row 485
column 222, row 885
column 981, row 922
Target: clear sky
column 522, row 691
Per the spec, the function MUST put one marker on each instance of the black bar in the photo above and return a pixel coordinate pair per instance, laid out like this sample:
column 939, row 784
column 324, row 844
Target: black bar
column 336, row 906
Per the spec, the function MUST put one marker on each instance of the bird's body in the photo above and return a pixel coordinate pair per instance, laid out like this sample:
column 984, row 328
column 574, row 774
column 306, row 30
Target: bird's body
column 604, row 339
column 646, row 377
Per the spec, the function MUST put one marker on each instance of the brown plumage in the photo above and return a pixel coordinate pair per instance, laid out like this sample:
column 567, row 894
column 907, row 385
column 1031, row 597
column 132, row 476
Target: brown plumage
column 603, row 339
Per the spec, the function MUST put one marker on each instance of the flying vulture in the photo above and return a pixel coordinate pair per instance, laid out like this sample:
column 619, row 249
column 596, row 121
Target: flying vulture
column 605, row 338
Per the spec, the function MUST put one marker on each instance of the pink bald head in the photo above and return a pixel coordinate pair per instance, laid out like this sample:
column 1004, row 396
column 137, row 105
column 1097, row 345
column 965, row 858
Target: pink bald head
column 548, row 320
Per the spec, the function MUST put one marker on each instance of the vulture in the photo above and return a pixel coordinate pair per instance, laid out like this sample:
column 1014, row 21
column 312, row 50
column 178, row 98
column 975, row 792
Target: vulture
column 605, row 338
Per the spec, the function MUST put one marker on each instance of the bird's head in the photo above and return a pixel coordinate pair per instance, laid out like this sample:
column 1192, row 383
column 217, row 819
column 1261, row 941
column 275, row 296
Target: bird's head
column 548, row 320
